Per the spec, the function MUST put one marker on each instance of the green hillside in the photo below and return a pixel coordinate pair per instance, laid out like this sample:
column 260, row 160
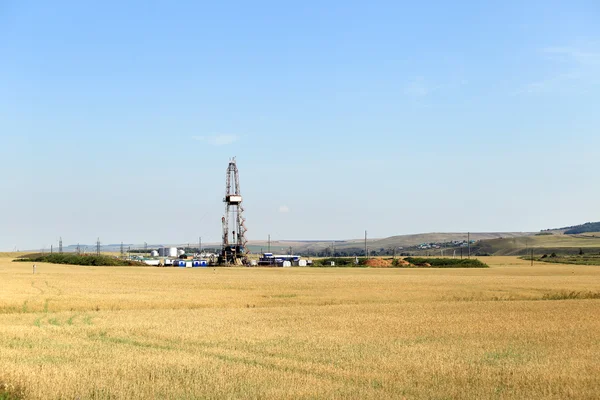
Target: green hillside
column 356, row 246
column 563, row 244
column 587, row 227
column 575, row 229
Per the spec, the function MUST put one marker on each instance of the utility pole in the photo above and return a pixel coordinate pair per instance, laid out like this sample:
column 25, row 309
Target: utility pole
column 145, row 247
column 50, row 249
column 60, row 245
column 122, row 250
column 98, row 247
column 532, row 256
column 269, row 242
column 469, row 243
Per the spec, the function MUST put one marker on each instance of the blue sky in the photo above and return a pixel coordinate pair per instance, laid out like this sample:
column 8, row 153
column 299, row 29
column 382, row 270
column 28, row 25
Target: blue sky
column 118, row 119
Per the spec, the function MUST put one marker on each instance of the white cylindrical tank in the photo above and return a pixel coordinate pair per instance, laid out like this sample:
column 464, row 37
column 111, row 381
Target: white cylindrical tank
column 172, row 252
column 154, row 253
column 180, row 252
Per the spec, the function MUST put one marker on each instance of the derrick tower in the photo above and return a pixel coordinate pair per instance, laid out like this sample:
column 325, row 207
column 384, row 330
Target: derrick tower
column 234, row 228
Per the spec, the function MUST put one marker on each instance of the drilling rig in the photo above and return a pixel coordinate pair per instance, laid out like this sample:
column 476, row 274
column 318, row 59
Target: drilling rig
column 233, row 251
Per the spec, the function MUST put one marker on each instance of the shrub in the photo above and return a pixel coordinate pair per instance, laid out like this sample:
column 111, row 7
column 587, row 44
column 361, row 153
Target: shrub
column 446, row 262
column 77, row 259
column 339, row 262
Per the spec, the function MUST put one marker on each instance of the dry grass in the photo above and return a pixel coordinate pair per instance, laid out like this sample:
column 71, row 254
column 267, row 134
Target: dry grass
column 511, row 331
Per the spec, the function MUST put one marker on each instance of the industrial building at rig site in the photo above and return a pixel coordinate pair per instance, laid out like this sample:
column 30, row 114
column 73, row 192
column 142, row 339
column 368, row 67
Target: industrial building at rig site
column 234, row 249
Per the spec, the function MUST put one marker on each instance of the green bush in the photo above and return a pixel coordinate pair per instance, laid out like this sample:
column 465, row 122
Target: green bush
column 77, row 259
column 339, row 262
column 446, row 262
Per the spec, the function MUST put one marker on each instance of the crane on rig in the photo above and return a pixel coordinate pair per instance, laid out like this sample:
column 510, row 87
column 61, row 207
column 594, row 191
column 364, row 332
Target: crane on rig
column 234, row 224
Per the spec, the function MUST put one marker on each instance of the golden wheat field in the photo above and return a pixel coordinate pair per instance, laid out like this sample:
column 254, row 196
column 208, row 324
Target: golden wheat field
column 509, row 332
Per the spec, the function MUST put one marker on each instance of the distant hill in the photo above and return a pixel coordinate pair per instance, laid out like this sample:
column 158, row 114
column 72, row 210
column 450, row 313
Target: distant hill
column 576, row 229
column 356, row 246
column 541, row 244
column 583, row 228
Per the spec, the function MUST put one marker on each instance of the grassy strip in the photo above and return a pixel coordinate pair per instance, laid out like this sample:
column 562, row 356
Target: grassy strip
column 76, row 259
column 572, row 295
column 445, row 262
column 567, row 260
column 348, row 262
column 414, row 262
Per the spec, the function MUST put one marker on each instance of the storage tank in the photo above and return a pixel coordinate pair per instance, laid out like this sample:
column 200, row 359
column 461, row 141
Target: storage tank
column 154, row 253
column 180, row 252
column 172, row 252
column 163, row 252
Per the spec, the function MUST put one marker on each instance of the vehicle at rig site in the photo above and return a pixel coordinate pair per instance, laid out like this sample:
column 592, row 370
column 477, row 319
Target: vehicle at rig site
column 271, row 260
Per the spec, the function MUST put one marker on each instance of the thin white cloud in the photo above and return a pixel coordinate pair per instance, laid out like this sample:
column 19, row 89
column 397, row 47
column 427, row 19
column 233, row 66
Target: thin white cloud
column 574, row 55
column 418, row 88
column 579, row 68
column 217, row 140
column 284, row 209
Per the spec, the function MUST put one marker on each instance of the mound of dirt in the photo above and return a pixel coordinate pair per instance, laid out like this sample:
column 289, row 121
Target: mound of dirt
column 378, row 263
column 402, row 263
